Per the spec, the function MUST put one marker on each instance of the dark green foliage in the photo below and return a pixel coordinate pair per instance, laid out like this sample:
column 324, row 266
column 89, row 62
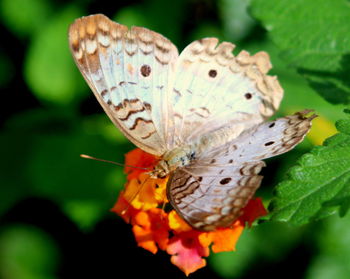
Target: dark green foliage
column 313, row 37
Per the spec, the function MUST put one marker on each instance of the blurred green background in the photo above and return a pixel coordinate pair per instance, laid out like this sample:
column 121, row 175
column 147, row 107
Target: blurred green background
column 54, row 209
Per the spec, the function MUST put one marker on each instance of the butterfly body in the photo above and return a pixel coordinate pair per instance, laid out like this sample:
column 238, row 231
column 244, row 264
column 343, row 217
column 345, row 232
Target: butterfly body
column 202, row 112
column 183, row 155
column 173, row 159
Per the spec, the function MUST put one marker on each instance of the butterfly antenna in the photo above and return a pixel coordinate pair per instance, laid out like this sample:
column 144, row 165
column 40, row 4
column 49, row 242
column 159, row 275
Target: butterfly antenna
column 111, row 162
column 163, row 210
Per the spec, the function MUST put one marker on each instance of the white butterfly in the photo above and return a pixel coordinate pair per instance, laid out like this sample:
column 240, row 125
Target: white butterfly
column 201, row 111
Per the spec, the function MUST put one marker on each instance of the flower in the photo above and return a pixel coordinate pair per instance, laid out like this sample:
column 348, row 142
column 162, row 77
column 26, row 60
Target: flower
column 142, row 204
column 187, row 251
column 151, row 229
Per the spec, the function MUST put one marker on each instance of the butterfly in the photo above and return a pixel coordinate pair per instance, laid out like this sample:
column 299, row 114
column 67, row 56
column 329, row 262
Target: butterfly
column 203, row 112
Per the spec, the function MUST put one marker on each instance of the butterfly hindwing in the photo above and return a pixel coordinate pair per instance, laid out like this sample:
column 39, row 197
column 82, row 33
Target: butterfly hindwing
column 212, row 190
column 267, row 139
column 212, row 196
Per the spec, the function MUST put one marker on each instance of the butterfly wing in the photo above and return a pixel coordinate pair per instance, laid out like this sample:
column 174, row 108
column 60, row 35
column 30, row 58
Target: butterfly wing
column 129, row 72
column 213, row 88
column 160, row 100
column 212, row 196
column 212, row 190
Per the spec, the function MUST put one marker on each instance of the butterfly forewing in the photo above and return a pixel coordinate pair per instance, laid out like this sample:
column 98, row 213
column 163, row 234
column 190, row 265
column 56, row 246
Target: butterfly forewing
column 213, row 88
column 129, row 71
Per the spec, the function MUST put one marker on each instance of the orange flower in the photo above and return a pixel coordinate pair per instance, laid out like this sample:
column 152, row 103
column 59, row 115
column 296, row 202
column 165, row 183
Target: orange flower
column 177, row 224
column 224, row 239
column 151, row 229
column 140, row 159
column 142, row 204
column 124, row 209
column 144, row 192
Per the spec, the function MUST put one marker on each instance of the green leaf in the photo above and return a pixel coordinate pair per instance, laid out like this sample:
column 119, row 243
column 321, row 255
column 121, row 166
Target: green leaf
column 313, row 37
column 27, row 252
column 150, row 14
column 319, row 185
column 7, row 69
column 332, row 257
column 84, row 213
column 237, row 22
column 234, row 264
column 131, row 16
column 49, row 67
column 25, row 17
column 51, row 168
column 266, row 243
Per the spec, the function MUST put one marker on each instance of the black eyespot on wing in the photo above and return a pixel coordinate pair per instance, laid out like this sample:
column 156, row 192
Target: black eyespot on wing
column 225, row 180
column 212, row 73
column 272, row 124
column 269, row 143
column 248, row 95
column 145, row 70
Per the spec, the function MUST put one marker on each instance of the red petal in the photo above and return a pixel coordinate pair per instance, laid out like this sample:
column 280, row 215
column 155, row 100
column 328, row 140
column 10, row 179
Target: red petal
column 252, row 211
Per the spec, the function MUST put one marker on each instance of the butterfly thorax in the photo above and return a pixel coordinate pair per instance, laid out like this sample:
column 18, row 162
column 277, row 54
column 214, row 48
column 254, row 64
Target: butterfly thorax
column 173, row 159
column 183, row 155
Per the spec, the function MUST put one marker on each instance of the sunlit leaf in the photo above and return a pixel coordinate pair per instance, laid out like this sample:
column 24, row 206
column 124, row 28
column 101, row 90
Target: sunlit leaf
column 314, row 37
column 299, row 96
column 319, row 185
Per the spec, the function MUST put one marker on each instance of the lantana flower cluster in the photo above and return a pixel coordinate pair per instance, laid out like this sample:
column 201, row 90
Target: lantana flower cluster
column 143, row 204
